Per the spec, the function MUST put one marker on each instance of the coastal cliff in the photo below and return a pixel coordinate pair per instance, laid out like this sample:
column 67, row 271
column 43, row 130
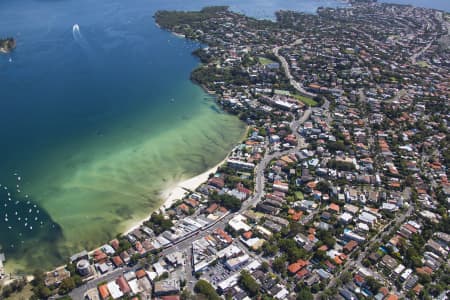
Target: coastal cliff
column 7, row 45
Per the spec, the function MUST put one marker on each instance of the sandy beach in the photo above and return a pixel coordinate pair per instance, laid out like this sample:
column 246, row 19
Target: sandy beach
column 177, row 191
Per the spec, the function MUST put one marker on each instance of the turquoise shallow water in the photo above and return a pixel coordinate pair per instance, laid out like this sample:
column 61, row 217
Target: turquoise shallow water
column 98, row 121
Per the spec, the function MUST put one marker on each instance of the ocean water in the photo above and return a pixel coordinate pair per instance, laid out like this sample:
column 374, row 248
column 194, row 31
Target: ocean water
column 98, row 119
column 436, row 4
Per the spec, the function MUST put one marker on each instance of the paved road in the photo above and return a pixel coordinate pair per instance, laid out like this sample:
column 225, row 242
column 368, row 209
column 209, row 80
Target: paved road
column 298, row 86
column 421, row 51
column 376, row 239
column 79, row 293
column 186, row 243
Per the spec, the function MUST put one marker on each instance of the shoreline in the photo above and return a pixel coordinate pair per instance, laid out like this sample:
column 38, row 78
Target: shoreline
column 176, row 191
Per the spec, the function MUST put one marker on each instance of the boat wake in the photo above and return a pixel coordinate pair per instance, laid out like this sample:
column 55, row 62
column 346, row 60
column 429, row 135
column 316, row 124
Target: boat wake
column 80, row 39
column 76, row 32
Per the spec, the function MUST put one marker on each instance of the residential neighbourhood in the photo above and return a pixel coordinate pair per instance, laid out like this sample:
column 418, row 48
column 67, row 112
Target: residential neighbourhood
column 339, row 189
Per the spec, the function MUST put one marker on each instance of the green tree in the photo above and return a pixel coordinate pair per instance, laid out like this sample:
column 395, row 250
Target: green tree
column 346, row 277
column 279, row 264
column 264, row 266
column 248, row 283
column 305, row 294
column 204, row 288
column 66, row 286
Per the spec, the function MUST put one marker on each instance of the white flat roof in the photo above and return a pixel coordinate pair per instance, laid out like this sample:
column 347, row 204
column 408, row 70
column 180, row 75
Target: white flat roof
column 114, row 290
column 229, row 282
column 134, row 286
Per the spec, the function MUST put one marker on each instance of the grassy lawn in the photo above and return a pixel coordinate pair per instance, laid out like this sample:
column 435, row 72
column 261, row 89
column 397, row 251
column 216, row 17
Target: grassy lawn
column 307, row 100
column 265, row 61
column 299, row 195
column 422, row 64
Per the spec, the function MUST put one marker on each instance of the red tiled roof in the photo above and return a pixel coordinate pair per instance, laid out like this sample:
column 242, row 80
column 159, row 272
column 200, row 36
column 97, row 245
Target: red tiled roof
column 100, row 256
column 247, row 235
column 217, row 182
column 334, row 207
column 184, row 207
column 224, row 235
column 302, row 273
column 418, row 288
column 140, row 273
column 117, row 261
column 103, row 290
column 298, row 265
column 323, row 248
column 223, row 209
column 192, row 202
column 358, row 278
column 392, row 297
column 212, row 208
column 123, row 285
column 350, row 246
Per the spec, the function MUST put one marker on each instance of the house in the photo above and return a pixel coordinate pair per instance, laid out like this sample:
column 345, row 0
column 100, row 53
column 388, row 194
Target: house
column 55, row 277
column 236, row 262
column 333, row 208
column 217, row 182
column 240, row 165
column 123, row 285
column 351, row 209
column 389, row 262
column 280, row 186
column 114, row 290
column 166, row 287
column 303, row 273
column 297, row 266
column 345, row 218
column 104, row 292
column 239, row 223
column 350, row 246
column 117, row 261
